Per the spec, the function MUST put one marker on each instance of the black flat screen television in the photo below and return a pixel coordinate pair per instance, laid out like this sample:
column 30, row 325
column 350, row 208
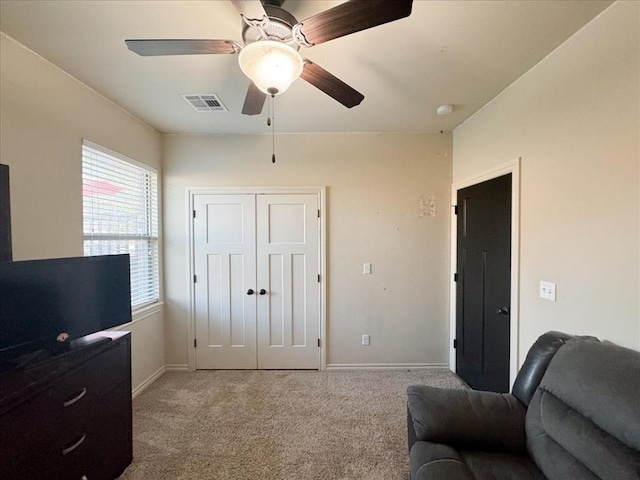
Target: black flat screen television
column 47, row 303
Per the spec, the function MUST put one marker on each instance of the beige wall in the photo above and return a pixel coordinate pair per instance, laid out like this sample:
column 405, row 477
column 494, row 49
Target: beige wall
column 574, row 120
column 44, row 115
column 374, row 185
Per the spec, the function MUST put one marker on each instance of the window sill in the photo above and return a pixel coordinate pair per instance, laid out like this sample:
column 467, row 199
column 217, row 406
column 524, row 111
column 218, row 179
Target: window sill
column 143, row 313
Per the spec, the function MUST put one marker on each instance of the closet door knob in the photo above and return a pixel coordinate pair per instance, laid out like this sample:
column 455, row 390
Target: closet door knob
column 250, row 291
column 262, row 291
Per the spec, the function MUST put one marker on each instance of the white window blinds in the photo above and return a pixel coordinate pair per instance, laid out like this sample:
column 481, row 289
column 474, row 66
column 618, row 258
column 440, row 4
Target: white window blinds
column 120, row 213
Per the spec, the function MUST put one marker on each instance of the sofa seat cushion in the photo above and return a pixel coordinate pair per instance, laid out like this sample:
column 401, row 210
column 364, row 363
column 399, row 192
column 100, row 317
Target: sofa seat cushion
column 501, row 466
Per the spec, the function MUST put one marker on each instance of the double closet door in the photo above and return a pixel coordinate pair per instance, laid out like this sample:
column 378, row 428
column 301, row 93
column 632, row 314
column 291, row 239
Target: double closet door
column 257, row 291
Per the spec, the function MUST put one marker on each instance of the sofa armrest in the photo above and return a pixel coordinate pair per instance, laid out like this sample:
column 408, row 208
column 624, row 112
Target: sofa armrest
column 467, row 418
column 434, row 461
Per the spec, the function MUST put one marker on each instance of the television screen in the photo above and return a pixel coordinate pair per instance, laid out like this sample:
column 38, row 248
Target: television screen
column 42, row 299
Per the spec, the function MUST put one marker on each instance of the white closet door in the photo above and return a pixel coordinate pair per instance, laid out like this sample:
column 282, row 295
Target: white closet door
column 287, row 271
column 225, row 269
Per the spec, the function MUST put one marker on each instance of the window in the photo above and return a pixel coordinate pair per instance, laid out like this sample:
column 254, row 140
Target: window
column 120, row 215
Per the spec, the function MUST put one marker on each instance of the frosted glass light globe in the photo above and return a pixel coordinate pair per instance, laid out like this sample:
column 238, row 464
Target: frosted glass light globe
column 445, row 109
column 271, row 65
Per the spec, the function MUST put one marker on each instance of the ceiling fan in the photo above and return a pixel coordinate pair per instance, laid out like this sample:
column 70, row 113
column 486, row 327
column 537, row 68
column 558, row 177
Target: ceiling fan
column 272, row 38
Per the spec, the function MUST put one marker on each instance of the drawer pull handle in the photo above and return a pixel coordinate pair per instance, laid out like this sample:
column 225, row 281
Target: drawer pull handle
column 73, row 400
column 76, row 444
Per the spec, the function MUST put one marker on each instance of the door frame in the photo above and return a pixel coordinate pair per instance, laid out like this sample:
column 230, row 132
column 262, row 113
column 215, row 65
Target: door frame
column 513, row 168
column 321, row 192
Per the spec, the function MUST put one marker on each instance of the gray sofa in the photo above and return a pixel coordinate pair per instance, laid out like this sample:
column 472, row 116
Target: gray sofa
column 573, row 413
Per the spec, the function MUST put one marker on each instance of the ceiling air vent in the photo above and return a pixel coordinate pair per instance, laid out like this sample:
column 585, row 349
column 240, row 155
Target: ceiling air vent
column 205, row 102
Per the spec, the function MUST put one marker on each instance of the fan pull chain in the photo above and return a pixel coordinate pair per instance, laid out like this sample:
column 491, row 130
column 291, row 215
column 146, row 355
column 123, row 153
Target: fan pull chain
column 272, row 121
column 269, row 112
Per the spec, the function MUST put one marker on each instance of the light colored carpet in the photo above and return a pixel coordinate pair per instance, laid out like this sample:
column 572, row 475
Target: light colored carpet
column 276, row 425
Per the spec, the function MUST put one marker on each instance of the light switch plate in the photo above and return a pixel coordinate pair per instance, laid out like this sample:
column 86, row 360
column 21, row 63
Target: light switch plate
column 367, row 269
column 548, row 290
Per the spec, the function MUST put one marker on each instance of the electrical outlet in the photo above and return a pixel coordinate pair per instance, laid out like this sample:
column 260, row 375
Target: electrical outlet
column 365, row 340
column 548, row 290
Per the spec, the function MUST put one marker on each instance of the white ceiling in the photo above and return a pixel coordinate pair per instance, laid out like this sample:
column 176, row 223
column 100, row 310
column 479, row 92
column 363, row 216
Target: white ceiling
column 458, row 52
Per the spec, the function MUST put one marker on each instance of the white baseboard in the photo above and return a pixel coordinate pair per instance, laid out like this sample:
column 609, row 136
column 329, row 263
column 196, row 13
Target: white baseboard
column 177, row 367
column 387, row 366
column 145, row 384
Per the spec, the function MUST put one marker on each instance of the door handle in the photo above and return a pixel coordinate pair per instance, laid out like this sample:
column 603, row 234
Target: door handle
column 262, row 291
column 250, row 291
column 503, row 311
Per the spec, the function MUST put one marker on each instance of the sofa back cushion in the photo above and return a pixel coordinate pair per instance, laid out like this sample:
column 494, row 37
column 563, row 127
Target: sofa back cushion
column 584, row 419
column 536, row 363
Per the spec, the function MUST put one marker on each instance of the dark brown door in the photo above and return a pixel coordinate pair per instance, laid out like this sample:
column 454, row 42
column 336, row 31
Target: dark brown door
column 483, row 288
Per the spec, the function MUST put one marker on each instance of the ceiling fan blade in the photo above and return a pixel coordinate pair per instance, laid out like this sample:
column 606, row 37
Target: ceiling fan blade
column 254, row 101
column 180, row 47
column 331, row 85
column 351, row 17
column 250, row 9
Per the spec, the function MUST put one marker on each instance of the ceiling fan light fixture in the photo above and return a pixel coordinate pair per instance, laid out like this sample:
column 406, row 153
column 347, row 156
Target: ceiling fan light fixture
column 271, row 65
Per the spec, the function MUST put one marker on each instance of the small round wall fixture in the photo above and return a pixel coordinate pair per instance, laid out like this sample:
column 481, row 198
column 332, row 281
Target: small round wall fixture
column 445, row 109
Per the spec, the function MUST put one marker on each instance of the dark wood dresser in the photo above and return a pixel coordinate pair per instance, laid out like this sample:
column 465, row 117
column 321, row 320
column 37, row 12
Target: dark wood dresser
column 69, row 416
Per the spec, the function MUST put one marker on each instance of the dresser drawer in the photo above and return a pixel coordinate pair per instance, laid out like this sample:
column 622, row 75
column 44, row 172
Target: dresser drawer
column 27, row 438
column 81, row 424
column 93, row 379
column 108, row 444
column 98, row 447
